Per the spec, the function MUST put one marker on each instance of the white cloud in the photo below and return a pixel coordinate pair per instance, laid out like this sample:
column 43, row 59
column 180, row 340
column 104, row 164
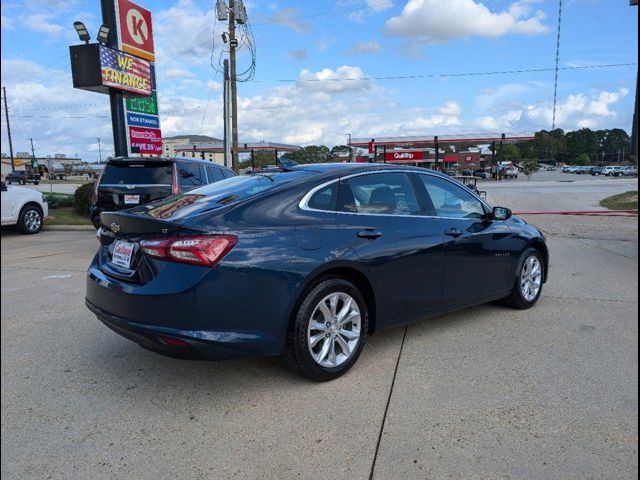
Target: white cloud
column 379, row 5
column 342, row 79
column 437, row 21
column 178, row 73
column 575, row 111
column 42, row 24
column 365, row 47
column 288, row 17
column 7, row 23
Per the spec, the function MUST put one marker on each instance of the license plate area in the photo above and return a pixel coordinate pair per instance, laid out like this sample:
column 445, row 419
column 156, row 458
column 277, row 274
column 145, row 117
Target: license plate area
column 131, row 199
column 122, row 253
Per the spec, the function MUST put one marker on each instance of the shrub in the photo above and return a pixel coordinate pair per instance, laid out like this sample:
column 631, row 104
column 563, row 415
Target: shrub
column 82, row 199
column 58, row 200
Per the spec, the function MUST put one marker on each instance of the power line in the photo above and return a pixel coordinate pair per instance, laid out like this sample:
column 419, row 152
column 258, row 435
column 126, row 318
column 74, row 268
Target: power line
column 376, row 77
column 450, row 75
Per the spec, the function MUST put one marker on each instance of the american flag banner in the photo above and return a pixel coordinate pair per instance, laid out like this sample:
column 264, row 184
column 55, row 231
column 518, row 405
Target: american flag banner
column 125, row 72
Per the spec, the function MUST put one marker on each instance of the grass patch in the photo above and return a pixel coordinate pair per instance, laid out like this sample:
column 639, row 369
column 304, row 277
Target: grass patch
column 622, row 201
column 65, row 216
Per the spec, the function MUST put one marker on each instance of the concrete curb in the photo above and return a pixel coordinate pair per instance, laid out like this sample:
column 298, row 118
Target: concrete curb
column 69, row 228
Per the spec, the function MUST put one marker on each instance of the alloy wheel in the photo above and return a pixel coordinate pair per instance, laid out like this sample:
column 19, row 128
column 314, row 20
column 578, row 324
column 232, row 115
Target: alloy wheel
column 531, row 278
column 334, row 330
column 32, row 220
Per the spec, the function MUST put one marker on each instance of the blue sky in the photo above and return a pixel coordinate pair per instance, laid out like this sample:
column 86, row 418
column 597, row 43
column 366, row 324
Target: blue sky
column 319, row 65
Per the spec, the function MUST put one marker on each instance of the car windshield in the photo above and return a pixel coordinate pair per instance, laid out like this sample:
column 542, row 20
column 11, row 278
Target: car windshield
column 149, row 173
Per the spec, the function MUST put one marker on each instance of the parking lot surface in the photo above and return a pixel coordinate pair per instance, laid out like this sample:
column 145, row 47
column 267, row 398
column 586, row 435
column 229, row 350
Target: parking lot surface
column 485, row 393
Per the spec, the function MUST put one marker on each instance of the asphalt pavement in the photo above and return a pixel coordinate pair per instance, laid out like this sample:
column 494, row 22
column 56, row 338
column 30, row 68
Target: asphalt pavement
column 485, row 393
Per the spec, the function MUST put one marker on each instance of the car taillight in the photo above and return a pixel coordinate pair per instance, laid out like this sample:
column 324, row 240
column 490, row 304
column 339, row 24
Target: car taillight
column 204, row 250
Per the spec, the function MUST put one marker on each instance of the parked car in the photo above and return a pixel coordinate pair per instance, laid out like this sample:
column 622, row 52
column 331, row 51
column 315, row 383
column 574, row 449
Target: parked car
column 307, row 261
column 630, row 171
column 613, row 171
column 582, row 170
column 128, row 182
column 595, row 171
column 22, row 177
column 466, row 173
column 23, row 207
column 511, row 172
column 480, row 174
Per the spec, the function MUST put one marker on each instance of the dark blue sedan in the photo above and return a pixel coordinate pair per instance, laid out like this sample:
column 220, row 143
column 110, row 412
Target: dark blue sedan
column 306, row 262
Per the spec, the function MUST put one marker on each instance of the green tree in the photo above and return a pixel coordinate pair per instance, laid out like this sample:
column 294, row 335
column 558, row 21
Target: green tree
column 582, row 159
column 529, row 167
column 510, row 153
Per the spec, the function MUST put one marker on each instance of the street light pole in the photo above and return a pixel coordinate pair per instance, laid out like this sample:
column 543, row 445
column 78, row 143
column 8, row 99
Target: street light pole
column 99, row 150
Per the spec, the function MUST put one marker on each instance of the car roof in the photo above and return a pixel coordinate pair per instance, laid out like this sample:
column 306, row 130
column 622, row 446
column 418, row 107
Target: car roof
column 349, row 168
column 165, row 159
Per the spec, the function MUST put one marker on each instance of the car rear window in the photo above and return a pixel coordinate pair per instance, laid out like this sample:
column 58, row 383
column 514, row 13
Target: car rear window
column 241, row 187
column 147, row 173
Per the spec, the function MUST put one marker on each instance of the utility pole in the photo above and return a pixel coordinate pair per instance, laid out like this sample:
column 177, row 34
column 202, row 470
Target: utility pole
column 33, row 154
column 227, row 117
column 6, row 113
column 233, row 43
column 99, row 150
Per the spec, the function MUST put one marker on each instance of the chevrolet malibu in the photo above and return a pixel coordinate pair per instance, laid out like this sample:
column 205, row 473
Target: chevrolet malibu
column 306, row 262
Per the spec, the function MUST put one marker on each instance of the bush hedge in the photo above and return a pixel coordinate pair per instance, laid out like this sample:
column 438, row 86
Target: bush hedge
column 58, row 200
column 82, row 199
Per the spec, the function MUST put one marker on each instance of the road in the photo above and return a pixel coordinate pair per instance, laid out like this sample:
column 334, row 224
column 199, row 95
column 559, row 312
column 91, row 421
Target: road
column 484, row 393
column 553, row 191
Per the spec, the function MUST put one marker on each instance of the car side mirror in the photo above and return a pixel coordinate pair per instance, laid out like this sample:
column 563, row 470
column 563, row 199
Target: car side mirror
column 3, row 187
column 501, row 213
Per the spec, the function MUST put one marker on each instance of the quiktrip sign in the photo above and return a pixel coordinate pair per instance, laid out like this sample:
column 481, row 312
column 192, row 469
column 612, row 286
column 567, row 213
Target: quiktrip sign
column 404, row 156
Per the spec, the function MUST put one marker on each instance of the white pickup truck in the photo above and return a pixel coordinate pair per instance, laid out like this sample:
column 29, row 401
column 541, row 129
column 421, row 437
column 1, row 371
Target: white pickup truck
column 23, row 207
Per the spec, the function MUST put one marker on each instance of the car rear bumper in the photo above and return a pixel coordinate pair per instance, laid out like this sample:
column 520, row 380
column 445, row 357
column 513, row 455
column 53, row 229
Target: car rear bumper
column 196, row 344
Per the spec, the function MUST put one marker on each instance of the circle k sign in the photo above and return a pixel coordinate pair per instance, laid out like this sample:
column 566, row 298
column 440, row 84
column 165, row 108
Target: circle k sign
column 135, row 30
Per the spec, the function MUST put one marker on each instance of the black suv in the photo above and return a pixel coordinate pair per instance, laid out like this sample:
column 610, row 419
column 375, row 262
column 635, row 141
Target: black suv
column 21, row 177
column 127, row 182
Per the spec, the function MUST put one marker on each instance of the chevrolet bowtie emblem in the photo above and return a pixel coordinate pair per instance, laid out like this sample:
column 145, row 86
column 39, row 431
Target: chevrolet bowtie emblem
column 114, row 227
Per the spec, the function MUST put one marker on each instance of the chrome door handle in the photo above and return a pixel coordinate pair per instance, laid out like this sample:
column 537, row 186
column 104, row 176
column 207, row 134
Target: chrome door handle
column 453, row 232
column 370, row 234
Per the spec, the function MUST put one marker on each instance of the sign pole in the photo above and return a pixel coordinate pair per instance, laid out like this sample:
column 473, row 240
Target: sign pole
column 116, row 98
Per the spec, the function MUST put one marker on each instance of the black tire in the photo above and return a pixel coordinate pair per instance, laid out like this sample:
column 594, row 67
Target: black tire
column 21, row 182
column 36, row 183
column 8, row 182
column 96, row 221
column 297, row 353
column 516, row 298
column 30, row 219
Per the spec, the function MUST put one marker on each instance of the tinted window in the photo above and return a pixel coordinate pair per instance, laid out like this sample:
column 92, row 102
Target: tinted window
column 137, row 174
column 228, row 173
column 214, row 174
column 451, row 200
column 325, row 198
column 243, row 186
column 381, row 193
column 190, row 175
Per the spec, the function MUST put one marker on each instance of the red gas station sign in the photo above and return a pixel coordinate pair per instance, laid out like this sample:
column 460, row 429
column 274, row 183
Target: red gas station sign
column 135, row 30
column 404, row 156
